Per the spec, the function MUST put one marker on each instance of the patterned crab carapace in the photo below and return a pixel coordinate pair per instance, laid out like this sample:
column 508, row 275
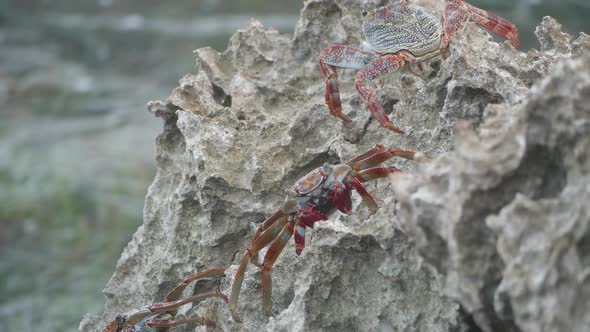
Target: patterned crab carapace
column 397, row 35
column 151, row 317
column 313, row 198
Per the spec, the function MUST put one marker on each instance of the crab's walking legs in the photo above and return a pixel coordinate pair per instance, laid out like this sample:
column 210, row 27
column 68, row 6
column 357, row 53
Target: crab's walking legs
column 168, row 306
column 496, row 24
column 376, row 173
column 365, row 195
column 364, row 163
column 177, row 292
column 382, row 156
column 170, row 322
column 144, row 313
column 275, row 249
column 265, row 224
column 339, row 56
column 458, row 12
column 381, row 66
column 370, row 152
column 265, row 238
column 268, row 222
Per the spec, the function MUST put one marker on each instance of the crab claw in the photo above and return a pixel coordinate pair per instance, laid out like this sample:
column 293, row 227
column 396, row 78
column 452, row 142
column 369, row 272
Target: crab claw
column 299, row 237
column 341, row 198
column 311, row 217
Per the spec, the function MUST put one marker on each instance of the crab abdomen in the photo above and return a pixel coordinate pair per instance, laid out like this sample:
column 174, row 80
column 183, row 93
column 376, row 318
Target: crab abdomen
column 402, row 26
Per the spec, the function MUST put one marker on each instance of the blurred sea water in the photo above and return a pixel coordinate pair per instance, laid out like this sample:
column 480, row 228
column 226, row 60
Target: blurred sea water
column 77, row 146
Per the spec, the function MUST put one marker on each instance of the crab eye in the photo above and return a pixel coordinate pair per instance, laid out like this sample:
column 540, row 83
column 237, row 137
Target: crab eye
column 120, row 319
column 326, row 168
column 365, row 13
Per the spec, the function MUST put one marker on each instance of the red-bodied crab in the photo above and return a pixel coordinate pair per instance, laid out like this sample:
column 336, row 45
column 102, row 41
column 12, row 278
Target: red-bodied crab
column 313, row 198
column 400, row 34
column 151, row 317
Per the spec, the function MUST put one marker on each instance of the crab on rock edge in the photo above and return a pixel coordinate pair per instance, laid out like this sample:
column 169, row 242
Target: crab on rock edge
column 151, row 317
column 397, row 35
column 313, row 198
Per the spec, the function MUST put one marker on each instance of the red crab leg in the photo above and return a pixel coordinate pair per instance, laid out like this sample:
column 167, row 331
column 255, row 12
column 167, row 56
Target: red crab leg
column 268, row 222
column 275, row 249
column 265, row 224
column 169, row 306
column 177, row 292
column 258, row 243
column 380, row 157
column 333, row 92
column 268, row 235
column 262, row 241
column 376, row 173
column 377, row 68
column 370, row 152
column 367, row 198
column 341, row 56
column 458, row 12
column 237, row 285
column 495, row 24
column 170, row 322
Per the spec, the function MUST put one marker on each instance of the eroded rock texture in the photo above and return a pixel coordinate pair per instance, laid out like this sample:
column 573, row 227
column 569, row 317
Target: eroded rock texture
column 505, row 217
column 494, row 234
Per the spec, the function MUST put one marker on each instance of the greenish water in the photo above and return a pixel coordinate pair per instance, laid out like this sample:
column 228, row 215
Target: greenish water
column 527, row 14
column 74, row 80
column 67, row 244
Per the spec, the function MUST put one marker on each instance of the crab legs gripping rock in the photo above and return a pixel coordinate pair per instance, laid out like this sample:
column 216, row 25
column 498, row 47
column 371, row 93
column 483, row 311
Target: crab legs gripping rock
column 151, row 317
column 400, row 34
column 313, row 198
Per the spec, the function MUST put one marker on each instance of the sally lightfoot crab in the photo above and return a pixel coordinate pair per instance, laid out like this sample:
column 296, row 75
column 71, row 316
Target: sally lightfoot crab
column 401, row 34
column 313, row 198
column 151, row 317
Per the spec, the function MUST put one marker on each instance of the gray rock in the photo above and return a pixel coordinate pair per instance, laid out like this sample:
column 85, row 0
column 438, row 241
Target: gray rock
column 253, row 120
column 547, row 277
column 505, row 218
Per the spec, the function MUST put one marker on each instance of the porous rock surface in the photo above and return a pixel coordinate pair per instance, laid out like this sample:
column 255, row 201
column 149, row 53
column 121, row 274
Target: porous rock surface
column 505, row 218
column 492, row 234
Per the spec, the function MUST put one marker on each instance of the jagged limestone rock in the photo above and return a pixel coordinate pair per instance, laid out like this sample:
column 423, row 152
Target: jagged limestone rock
column 505, row 217
column 253, row 120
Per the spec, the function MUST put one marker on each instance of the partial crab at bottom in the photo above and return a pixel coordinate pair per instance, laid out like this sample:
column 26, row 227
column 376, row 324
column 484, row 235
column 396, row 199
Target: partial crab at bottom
column 162, row 315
